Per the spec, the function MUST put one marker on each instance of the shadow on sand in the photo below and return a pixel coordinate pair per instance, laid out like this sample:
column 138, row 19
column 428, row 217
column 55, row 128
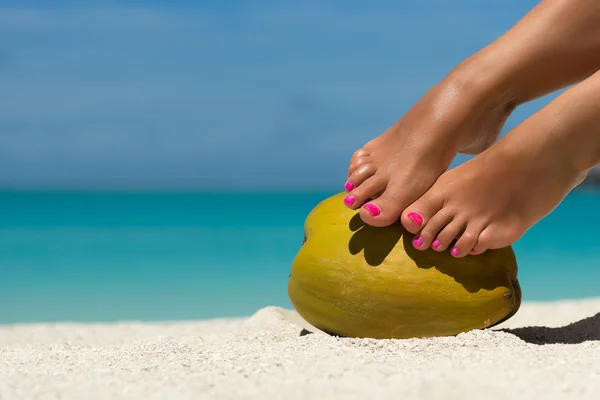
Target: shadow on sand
column 577, row 332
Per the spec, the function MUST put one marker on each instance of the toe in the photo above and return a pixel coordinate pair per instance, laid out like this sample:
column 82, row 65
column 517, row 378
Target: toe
column 467, row 241
column 365, row 191
column 477, row 250
column 386, row 209
column 359, row 158
column 357, row 164
column 417, row 215
column 360, row 175
column 483, row 242
column 448, row 235
column 497, row 236
column 418, row 243
column 433, row 227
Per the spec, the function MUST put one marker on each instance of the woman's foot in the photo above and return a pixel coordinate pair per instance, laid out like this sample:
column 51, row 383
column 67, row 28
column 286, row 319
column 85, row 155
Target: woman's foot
column 399, row 166
column 492, row 200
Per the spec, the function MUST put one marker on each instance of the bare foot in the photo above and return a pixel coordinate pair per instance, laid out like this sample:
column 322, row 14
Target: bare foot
column 399, row 166
column 492, row 200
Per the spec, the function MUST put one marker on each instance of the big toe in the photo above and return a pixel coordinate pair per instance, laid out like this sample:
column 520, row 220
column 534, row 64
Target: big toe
column 385, row 210
column 360, row 175
column 415, row 216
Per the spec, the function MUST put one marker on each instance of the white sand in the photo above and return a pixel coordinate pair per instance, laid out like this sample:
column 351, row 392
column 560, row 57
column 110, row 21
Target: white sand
column 265, row 357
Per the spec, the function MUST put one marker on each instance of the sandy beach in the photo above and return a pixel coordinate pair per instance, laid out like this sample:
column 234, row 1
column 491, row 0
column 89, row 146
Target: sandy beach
column 547, row 351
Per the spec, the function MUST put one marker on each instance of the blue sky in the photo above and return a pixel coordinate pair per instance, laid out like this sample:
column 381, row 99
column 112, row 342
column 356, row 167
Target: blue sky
column 219, row 93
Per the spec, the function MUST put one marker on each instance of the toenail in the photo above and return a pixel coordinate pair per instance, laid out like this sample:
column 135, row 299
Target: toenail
column 373, row 209
column 436, row 244
column 416, row 218
column 349, row 200
column 455, row 252
column 418, row 241
column 349, row 186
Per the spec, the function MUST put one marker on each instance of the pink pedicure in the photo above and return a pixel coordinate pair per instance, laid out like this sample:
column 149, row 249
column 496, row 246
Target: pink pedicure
column 418, row 241
column 436, row 244
column 349, row 186
column 416, row 218
column 349, row 200
column 455, row 252
column 373, row 209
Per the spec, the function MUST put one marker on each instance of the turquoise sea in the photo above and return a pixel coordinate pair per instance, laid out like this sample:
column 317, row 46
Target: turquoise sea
column 106, row 256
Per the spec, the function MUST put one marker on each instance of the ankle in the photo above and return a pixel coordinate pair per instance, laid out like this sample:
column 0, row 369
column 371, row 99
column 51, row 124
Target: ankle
column 477, row 80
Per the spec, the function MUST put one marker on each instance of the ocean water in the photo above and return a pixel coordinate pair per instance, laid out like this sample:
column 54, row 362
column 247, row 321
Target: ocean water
column 95, row 256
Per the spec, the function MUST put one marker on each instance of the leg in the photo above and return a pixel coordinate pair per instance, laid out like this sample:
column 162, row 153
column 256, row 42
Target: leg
column 492, row 200
column 553, row 46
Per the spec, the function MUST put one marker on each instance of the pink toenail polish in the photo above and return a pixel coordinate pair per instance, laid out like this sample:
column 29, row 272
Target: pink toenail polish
column 349, row 186
column 418, row 241
column 349, row 200
column 373, row 209
column 436, row 244
column 416, row 218
column 455, row 252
